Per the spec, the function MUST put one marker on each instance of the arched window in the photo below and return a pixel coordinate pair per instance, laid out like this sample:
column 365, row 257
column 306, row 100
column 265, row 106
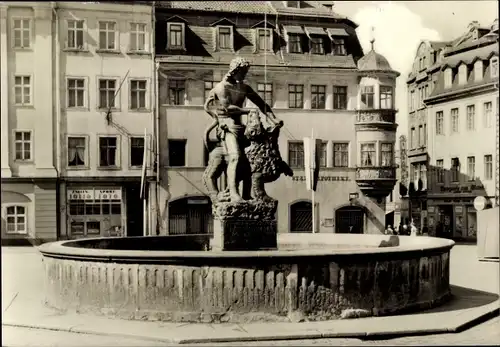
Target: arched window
column 301, row 217
column 15, row 217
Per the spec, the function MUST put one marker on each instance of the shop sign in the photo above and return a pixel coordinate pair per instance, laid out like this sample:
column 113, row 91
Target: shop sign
column 108, row 194
column 323, row 178
column 80, row 194
column 458, row 209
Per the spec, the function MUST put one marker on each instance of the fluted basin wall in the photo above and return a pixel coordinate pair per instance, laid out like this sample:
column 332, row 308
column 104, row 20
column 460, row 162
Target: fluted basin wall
column 322, row 278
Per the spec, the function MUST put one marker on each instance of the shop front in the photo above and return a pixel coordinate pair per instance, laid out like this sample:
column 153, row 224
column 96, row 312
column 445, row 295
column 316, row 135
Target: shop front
column 453, row 218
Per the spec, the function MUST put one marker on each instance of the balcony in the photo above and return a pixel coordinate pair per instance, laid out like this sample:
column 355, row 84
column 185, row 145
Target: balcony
column 376, row 118
column 377, row 182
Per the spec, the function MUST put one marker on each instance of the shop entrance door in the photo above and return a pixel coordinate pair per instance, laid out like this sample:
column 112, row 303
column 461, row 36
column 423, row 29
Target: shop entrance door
column 349, row 220
column 445, row 222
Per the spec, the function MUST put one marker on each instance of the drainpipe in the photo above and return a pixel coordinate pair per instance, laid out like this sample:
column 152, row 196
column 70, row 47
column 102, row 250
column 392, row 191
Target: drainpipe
column 156, row 125
column 57, row 99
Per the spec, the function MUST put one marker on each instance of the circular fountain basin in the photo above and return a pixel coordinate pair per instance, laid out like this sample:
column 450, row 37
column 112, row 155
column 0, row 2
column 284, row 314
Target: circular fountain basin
column 310, row 277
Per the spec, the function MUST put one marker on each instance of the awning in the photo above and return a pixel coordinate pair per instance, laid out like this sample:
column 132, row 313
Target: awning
column 293, row 29
column 336, row 32
column 315, row 31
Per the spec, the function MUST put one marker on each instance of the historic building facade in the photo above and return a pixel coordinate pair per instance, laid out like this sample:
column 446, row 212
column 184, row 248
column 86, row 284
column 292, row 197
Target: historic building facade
column 461, row 117
column 27, row 93
column 82, row 73
column 308, row 65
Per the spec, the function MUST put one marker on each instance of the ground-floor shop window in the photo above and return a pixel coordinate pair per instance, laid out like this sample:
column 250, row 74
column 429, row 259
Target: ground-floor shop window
column 471, row 222
column 16, row 219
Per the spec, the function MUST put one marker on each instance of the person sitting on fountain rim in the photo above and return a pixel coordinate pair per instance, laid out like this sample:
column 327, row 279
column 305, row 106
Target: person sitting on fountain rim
column 230, row 94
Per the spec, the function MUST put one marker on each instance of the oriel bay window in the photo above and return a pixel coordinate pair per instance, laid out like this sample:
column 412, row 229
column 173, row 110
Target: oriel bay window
column 387, row 154
column 368, row 153
column 367, row 97
column 77, row 151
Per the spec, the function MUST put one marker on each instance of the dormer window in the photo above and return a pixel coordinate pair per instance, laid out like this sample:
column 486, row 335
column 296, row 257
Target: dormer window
column 317, row 45
column 175, row 36
column 462, row 74
column 448, row 78
column 294, row 35
column 338, row 37
column 224, row 37
column 494, row 67
column 292, row 4
column 317, row 38
column 478, row 71
column 265, row 40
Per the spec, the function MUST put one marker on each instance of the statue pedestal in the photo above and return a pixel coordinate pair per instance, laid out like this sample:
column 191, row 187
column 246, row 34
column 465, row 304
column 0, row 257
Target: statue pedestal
column 245, row 226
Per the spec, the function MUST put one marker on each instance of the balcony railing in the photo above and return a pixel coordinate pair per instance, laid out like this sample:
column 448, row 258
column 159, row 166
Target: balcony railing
column 376, row 116
column 375, row 173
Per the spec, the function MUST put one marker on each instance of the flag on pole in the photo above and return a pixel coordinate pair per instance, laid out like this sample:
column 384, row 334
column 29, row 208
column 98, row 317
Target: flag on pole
column 311, row 162
column 144, row 163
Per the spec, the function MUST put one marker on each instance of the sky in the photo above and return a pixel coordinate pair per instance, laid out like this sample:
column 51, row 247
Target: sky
column 399, row 26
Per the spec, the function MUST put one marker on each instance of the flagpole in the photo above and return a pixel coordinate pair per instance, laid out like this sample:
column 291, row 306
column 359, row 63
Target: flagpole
column 313, row 167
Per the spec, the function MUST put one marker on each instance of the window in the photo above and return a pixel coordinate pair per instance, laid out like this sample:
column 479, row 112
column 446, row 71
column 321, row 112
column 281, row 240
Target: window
column 420, row 135
column 462, row 74
column 471, row 168
column 387, row 154
column 224, row 38
column 92, row 208
column 265, row 40
column 413, row 139
column 317, row 45
column 488, row 114
column 317, row 97
column 23, row 145
column 296, row 96
column 488, row 167
column 339, row 46
column 22, row 90
column 426, row 93
column 412, row 100
column 322, row 154
column 22, row 33
column 494, row 67
column 447, row 78
column 368, row 154
column 413, row 172
column 16, row 220
column 455, row 169
column 175, row 37
column 440, row 170
column 138, row 94
column 367, row 94
column 76, row 92
column 265, row 90
column 296, row 154
column 385, row 97
column 209, row 85
column 177, row 152
column 176, row 91
column 424, row 63
column 137, row 37
column 454, row 120
column 339, row 98
column 75, row 34
column 107, row 92
column 471, row 117
column 107, row 35
column 76, row 151
column 136, row 151
column 439, row 123
column 340, row 154
column 425, row 134
column 108, row 151
column 478, row 71
column 294, row 43
column 301, row 217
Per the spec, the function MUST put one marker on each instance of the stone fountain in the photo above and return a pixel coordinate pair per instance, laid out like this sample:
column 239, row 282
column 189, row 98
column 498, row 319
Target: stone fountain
column 250, row 272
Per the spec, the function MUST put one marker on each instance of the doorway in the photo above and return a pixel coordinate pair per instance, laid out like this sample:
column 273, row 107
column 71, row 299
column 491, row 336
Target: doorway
column 135, row 213
column 191, row 215
column 349, row 220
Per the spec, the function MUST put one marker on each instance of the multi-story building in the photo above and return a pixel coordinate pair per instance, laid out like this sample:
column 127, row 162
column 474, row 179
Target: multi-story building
column 308, row 65
column 461, row 111
column 80, row 86
column 27, row 94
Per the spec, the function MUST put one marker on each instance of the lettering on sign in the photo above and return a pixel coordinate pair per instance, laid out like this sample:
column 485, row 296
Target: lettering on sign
column 462, row 189
column 81, row 194
column 108, row 194
column 322, row 178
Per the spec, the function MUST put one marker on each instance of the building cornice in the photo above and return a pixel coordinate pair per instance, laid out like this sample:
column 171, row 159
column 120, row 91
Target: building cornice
column 456, row 94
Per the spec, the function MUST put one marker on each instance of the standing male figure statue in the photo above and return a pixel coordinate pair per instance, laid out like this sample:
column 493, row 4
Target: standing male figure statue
column 225, row 105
